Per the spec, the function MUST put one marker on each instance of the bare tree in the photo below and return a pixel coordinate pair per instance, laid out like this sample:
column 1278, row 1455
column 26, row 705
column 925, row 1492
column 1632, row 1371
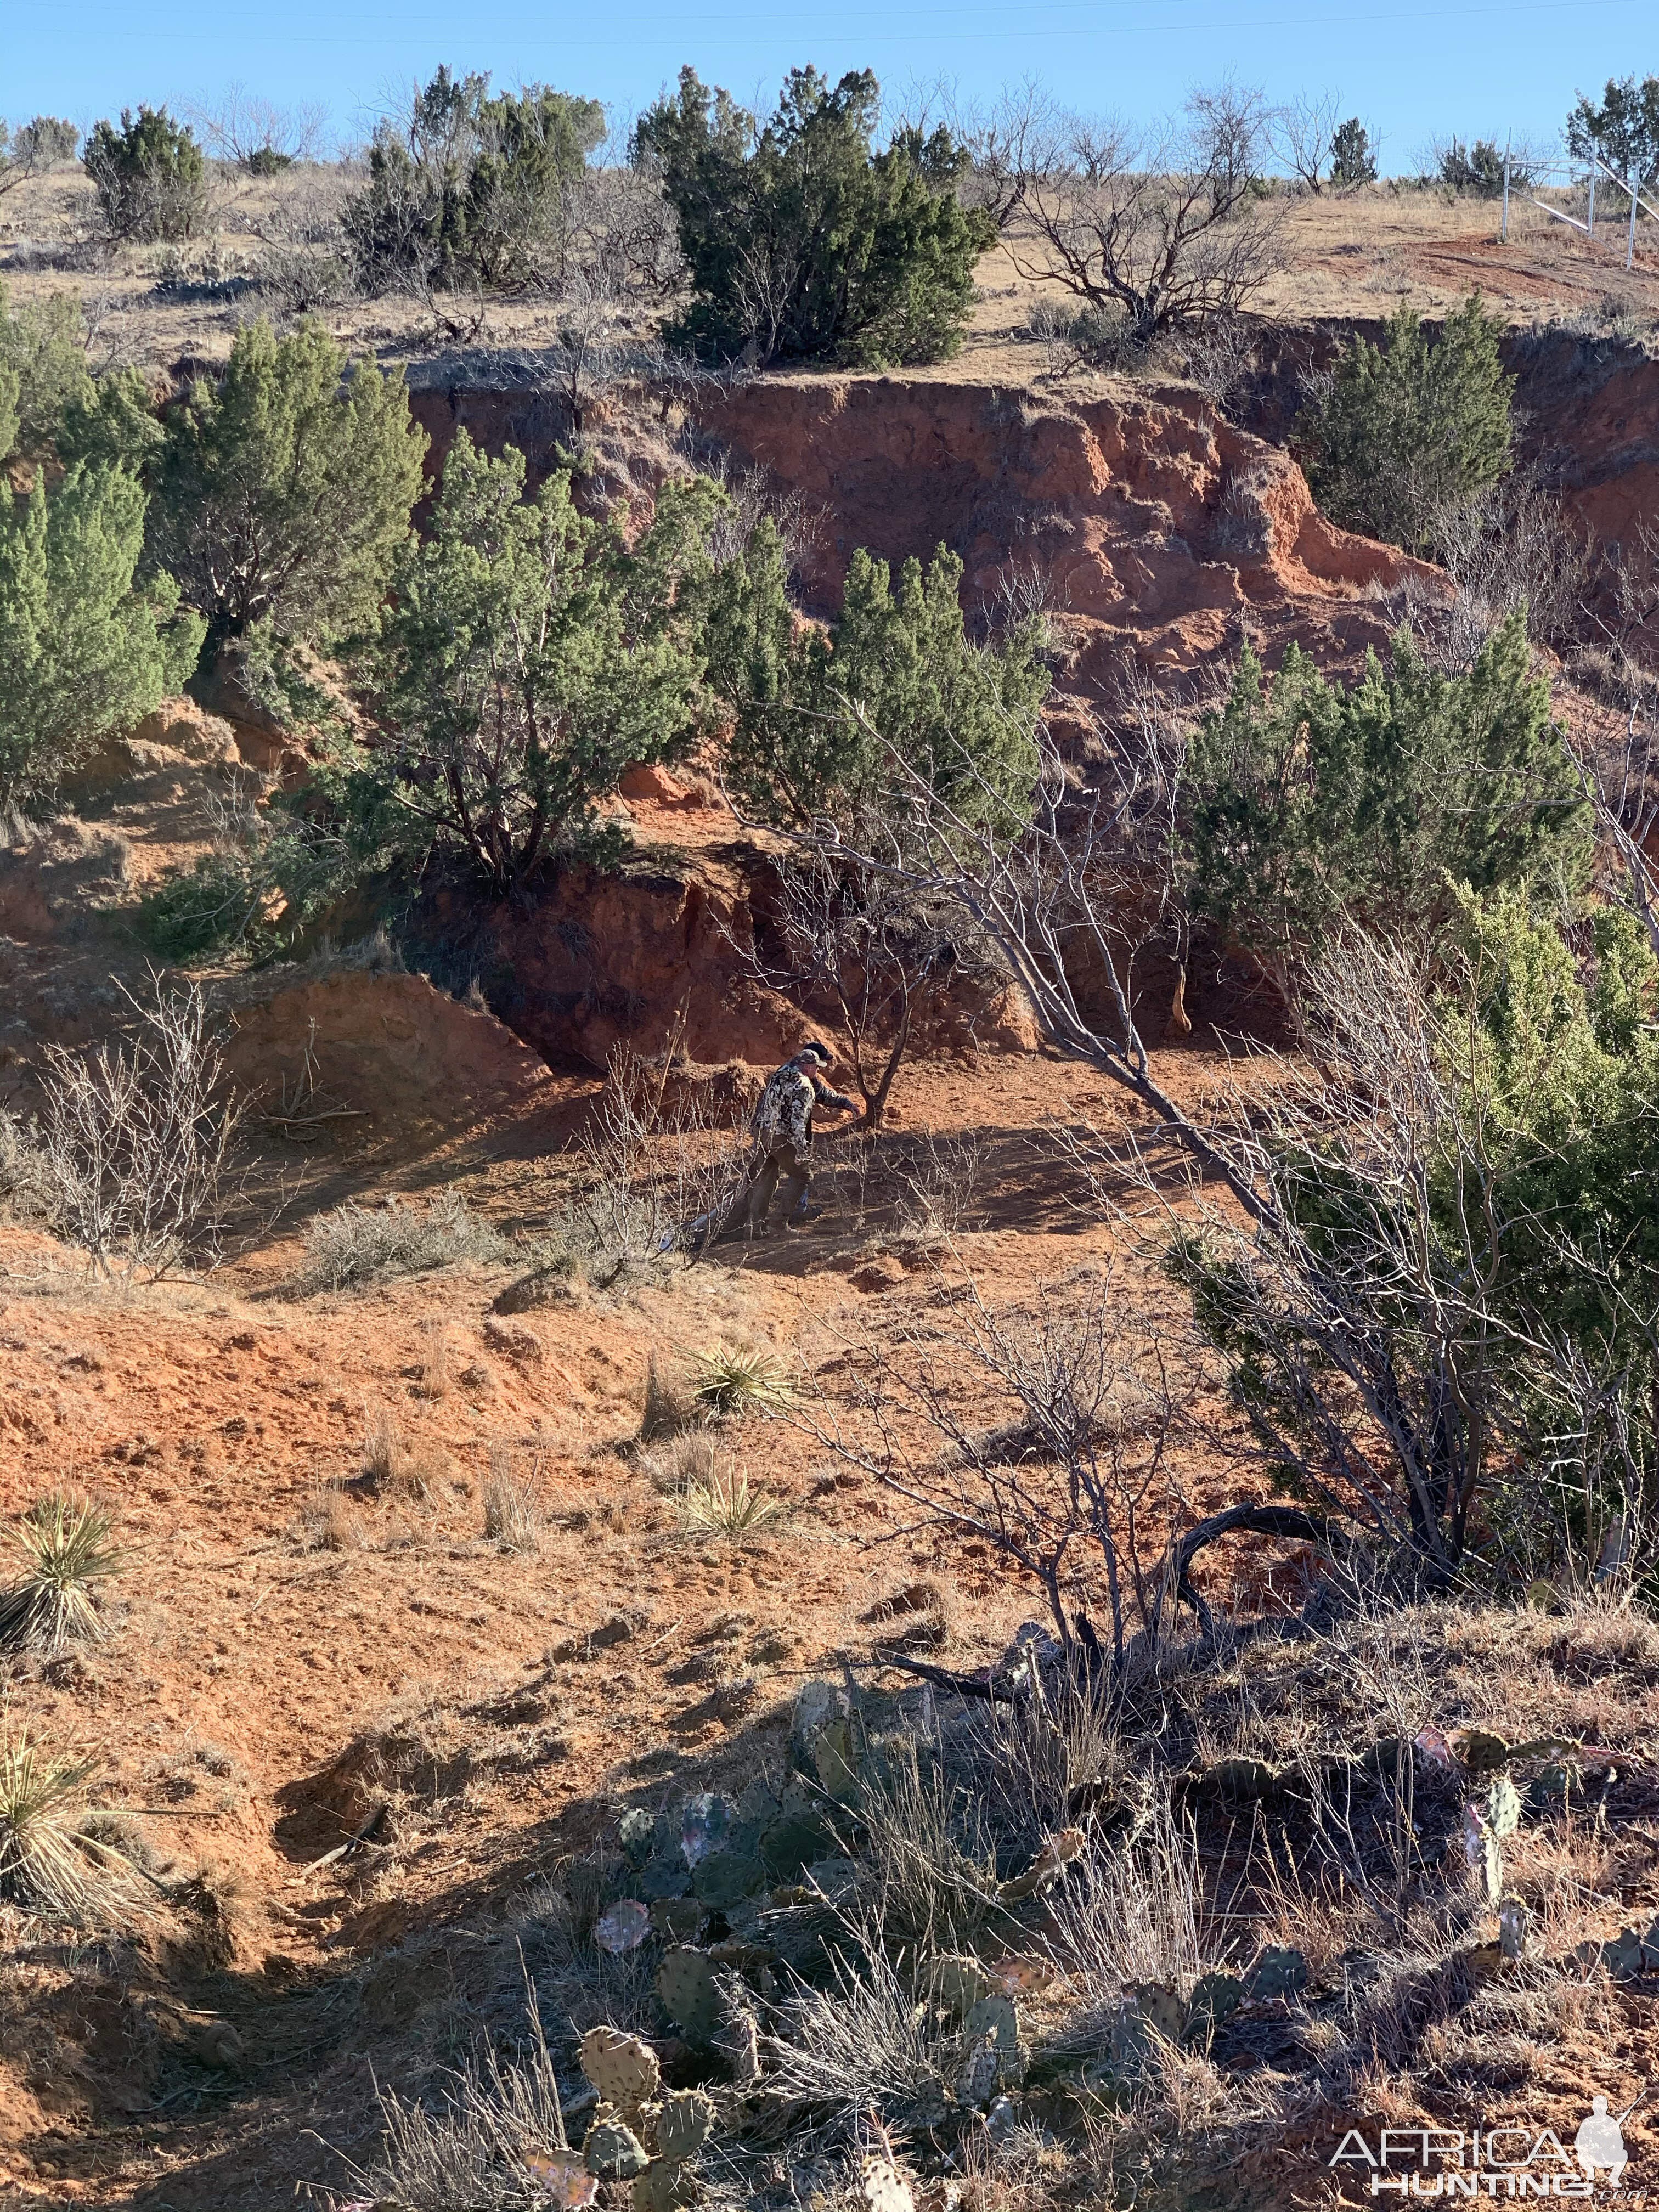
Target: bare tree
column 137, row 1139
column 848, row 936
column 1046, row 1433
column 1407, row 1372
column 1300, row 132
column 1161, row 229
column 257, row 135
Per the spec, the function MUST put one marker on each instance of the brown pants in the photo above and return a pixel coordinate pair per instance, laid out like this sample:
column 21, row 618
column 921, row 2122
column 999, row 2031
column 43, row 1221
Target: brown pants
column 780, row 1158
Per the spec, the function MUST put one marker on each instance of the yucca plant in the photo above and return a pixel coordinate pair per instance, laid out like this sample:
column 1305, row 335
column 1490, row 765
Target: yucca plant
column 67, row 1553
column 733, row 1378
column 726, row 1503
column 46, row 1857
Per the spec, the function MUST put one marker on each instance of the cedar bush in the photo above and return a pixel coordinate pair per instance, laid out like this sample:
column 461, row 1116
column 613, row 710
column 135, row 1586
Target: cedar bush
column 285, row 488
column 468, row 189
column 814, row 711
column 804, row 244
column 1310, row 805
column 1412, row 429
column 82, row 654
column 149, row 176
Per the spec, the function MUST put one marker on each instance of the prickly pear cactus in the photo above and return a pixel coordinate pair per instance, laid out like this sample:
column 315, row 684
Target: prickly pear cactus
column 834, row 1759
column 1161, row 2009
column 1514, row 1927
column 1481, row 1849
column 1277, row 1973
column 883, row 2188
column 660, row 2188
column 1214, row 1997
column 612, row 2149
column 957, row 1983
column 725, row 1878
column 1503, row 1807
column 1482, row 1752
column 994, row 2019
column 977, row 2081
column 685, row 1983
column 681, row 2124
column 1242, row 1780
column 639, row 1831
column 621, row 2069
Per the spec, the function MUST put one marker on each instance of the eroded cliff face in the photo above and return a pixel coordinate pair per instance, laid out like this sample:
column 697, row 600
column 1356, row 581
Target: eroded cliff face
column 1151, row 524
column 1148, row 524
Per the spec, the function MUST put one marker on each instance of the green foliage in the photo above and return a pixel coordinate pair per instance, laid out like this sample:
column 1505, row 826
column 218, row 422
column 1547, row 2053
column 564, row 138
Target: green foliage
column 113, row 420
column 284, row 493
column 81, row 654
column 149, row 176
column 814, row 714
column 1479, row 169
column 1354, row 158
column 1308, row 802
column 42, row 353
column 468, row 189
column 1412, row 427
column 803, row 243
column 531, row 656
column 1624, row 127
column 1564, row 1056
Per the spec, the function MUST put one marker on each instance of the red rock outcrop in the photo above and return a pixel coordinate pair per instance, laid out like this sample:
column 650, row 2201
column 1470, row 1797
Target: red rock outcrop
column 1155, row 526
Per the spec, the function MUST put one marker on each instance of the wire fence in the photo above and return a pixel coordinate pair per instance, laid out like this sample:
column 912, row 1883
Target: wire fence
column 1586, row 177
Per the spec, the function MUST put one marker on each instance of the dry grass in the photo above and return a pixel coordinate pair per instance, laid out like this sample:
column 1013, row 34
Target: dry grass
column 512, row 1508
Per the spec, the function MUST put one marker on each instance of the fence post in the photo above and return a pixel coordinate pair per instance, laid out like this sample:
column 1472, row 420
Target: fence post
column 1590, row 225
column 1630, row 250
column 1505, row 233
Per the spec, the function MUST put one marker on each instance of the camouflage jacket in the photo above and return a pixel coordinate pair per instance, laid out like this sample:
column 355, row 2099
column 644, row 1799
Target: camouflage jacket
column 784, row 1112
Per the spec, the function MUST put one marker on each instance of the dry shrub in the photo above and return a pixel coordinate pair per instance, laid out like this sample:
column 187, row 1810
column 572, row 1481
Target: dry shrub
column 354, row 1243
column 136, row 1139
column 668, row 1408
column 727, row 1503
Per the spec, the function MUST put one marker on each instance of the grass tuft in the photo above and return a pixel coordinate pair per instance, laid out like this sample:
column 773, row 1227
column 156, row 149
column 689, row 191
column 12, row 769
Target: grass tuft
column 47, row 1858
column 733, row 1379
column 67, row 1554
column 727, row 1503
column 511, row 1510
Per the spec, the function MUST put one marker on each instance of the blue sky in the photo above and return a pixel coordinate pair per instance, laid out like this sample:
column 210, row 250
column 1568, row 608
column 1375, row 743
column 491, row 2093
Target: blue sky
column 1413, row 70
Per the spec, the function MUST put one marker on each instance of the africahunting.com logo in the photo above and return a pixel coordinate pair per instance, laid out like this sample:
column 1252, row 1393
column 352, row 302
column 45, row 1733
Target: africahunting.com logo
column 1509, row 2162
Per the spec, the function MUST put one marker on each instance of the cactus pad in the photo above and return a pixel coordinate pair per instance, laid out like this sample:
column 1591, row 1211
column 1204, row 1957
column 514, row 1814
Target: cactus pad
column 1214, row 1997
column 1161, row 2009
column 639, row 1831
column 1503, row 1807
column 686, row 1984
column 977, row 2081
column 621, row 2069
column 883, row 2188
column 957, row 1984
column 725, row 1878
column 681, row 2124
column 612, row 2150
column 1277, row 1973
